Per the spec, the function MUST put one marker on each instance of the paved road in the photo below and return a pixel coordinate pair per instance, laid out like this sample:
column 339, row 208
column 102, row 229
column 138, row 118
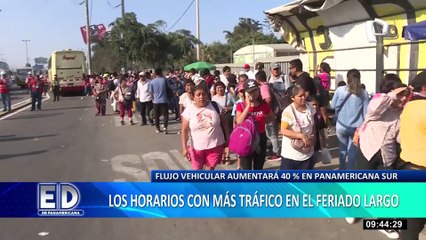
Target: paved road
column 66, row 142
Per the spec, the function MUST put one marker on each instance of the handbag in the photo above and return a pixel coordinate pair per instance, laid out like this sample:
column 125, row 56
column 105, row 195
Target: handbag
column 325, row 156
column 298, row 144
column 227, row 115
column 127, row 102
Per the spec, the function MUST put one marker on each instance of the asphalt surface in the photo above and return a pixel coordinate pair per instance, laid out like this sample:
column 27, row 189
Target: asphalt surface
column 66, row 142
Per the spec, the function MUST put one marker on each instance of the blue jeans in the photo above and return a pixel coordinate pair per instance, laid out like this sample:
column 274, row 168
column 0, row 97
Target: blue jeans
column 35, row 96
column 272, row 134
column 87, row 90
column 290, row 164
column 7, row 104
column 346, row 147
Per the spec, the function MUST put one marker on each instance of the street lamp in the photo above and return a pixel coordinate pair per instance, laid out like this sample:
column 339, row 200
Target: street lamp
column 26, row 50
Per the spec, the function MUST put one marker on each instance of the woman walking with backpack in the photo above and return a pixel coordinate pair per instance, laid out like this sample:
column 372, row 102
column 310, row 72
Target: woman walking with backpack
column 253, row 106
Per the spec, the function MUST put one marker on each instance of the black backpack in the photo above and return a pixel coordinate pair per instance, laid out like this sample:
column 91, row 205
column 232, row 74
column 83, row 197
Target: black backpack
column 280, row 100
column 111, row 85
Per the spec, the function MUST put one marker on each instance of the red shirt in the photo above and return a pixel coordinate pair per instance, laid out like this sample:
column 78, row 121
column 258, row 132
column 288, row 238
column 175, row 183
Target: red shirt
column 209, row 80
column 36, row 86
column 259, row 112
column 29, row 79
column 4, row 88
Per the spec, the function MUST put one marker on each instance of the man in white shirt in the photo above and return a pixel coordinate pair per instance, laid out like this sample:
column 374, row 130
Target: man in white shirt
column 116, row 82
column 144, row 97
column 278, row 80
column 280, row 83
column 226, row 72
column 248, row 72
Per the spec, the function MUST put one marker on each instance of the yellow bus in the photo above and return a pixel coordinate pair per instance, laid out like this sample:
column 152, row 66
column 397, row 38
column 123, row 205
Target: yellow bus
column 70, row 68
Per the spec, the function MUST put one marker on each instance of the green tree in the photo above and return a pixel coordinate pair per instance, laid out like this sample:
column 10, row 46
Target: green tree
column 137, row 45
column 217, row 52
column 182, row 48
column 145, row 46
column 103, row 59
column 248, row 32
column 126, row 34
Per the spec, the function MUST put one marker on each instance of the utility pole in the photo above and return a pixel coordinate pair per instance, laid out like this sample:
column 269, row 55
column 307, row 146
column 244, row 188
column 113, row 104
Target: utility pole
column 252, row 41
column 89, row 42
column 379, row 61
column 123, row 67
column 197, row 11
column 26, row 50
column 122, row 8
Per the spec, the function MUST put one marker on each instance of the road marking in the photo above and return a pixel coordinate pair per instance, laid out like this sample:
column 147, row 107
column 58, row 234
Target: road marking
column 176, row 154
column 150, row 161
column 117, row 121
column 43, row 234
column 139, row 167
column 118, row 162
column 153, row 157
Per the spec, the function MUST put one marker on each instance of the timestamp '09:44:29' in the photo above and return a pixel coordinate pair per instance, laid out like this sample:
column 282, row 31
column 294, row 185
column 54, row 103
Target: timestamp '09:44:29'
column 384, row 223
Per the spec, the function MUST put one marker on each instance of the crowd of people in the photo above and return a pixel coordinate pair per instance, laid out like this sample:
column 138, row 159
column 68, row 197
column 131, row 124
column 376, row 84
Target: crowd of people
column 224, row 113
column 213, row 106
column 221, row 113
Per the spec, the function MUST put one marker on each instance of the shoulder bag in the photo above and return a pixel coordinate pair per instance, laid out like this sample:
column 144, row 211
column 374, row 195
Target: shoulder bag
column 298, row 144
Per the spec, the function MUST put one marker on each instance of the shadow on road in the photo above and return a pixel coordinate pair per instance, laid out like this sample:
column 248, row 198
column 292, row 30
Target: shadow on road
column 7, row 156
column 13, row 139
column 6, row 136
column 68, row 108
column 31, row 116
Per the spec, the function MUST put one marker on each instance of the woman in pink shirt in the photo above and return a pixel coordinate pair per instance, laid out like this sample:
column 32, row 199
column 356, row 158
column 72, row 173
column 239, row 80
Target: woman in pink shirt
column 323, row 73
column 203, row 121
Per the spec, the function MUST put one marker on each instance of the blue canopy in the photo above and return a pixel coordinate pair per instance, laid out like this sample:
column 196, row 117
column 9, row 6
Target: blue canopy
column 414, row 32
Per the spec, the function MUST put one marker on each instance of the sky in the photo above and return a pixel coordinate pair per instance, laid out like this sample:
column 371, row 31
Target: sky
column 52, row 25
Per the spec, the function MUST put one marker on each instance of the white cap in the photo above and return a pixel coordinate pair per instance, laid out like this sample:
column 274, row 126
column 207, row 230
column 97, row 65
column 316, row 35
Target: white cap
column 2, row 73
column 198, row 80
column 29, row 73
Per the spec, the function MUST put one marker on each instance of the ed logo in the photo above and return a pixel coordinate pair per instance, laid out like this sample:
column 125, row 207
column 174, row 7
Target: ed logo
column 58, row 199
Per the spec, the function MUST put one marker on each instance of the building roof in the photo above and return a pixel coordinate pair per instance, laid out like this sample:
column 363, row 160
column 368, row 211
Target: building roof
column 277, row 48
column 309, row 15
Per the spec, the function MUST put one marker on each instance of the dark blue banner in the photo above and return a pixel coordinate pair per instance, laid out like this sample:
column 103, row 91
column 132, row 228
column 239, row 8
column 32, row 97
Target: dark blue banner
column 287, row 176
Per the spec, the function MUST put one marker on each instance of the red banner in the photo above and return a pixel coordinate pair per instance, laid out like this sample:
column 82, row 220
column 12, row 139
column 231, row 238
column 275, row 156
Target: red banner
column 97, row 33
